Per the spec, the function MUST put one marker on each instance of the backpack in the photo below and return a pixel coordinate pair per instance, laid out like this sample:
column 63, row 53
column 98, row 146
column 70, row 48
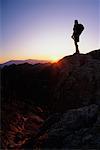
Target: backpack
column 80, row 28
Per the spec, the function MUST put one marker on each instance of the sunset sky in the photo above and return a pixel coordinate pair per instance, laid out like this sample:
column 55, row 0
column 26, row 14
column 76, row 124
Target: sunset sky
column 41, row 29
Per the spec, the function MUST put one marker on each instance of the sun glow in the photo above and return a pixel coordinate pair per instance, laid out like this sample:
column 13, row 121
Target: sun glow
column 54, row 59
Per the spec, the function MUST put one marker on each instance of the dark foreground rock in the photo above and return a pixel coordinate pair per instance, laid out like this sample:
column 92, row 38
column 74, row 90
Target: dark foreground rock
column 75, row 129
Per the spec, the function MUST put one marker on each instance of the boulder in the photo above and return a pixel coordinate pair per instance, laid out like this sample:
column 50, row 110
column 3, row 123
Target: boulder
column 76, row 128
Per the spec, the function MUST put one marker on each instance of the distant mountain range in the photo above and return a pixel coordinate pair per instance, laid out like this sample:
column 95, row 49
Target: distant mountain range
column 29, row 61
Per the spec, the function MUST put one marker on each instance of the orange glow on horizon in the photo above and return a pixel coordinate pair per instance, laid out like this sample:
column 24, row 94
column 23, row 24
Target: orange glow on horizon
column 54, row 59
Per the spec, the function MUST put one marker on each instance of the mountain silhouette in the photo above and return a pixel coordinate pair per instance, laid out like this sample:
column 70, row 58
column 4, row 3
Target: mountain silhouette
column 25, row 81
column 30, row 61
column 65, row 97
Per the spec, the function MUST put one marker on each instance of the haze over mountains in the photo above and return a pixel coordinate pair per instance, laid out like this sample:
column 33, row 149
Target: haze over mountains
column 30, row 61
column 52, row 105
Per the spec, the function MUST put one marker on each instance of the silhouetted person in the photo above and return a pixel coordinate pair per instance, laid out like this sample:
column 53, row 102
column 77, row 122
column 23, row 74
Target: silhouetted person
column 77, row 30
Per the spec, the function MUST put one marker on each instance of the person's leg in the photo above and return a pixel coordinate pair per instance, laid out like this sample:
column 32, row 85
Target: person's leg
column 76, row 46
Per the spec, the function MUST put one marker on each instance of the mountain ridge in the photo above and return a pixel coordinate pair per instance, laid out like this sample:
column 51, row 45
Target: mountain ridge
column 62, row 98
column 93, row 53
column 30, row 61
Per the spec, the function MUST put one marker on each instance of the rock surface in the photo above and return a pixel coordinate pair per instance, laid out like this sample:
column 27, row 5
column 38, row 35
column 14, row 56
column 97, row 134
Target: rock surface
column 76, row 128
column 79, row 82
column 76, row 117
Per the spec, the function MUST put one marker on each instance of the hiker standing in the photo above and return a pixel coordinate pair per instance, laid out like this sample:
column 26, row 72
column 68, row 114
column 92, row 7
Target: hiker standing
column 77, row 30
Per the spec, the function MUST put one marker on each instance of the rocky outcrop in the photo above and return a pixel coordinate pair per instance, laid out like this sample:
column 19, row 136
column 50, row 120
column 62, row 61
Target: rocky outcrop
column 76, row 128
column 79, row 82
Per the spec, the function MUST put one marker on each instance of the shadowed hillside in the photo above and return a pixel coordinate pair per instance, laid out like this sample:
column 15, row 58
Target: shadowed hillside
column 64, row 99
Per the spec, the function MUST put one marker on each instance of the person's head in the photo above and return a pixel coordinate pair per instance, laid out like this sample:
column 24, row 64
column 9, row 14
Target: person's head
column 76, row 21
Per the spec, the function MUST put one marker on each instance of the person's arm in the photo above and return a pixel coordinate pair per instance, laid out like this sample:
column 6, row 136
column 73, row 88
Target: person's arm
column 74, row 28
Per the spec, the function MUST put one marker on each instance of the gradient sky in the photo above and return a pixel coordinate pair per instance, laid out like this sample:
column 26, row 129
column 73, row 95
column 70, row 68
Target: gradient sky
column 41, row 29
